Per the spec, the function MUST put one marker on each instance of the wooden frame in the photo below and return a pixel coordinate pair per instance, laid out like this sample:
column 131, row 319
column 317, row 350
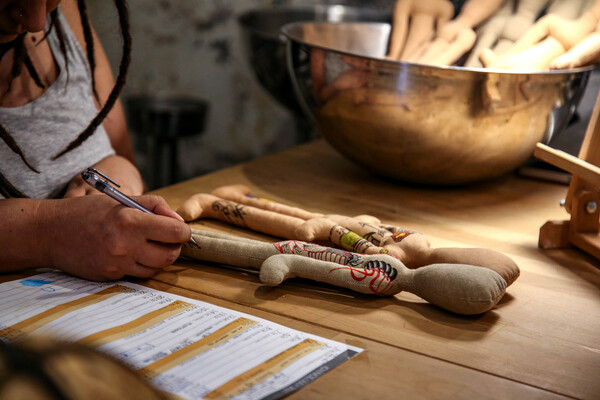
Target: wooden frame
column 583, row 196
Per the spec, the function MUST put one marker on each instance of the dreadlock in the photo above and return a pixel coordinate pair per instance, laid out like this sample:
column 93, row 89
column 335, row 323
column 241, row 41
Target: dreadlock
column 21, row 58
column 89, row 41
column 120, row 81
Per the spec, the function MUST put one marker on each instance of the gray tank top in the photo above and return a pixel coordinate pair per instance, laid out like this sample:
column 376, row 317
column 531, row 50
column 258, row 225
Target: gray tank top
column 45, row 126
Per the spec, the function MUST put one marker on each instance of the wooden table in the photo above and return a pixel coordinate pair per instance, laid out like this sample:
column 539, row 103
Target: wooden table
column 541, row 341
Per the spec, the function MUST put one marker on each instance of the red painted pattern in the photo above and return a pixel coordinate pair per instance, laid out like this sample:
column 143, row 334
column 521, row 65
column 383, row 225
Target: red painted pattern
column 378, row 283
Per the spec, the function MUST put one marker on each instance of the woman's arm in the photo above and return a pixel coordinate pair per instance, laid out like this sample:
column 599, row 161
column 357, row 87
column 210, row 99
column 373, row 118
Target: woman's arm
column 117, row 168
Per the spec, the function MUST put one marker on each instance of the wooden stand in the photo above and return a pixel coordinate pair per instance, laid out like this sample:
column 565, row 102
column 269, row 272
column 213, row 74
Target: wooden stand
column 583, row 197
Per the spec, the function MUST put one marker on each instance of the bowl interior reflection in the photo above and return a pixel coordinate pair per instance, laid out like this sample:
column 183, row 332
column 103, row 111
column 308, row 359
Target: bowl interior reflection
column 422, row 123
column 265, row 47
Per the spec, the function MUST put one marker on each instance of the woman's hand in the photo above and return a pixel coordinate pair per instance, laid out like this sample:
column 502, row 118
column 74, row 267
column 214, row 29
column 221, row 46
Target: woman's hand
column 96, row 238
column 118, row 169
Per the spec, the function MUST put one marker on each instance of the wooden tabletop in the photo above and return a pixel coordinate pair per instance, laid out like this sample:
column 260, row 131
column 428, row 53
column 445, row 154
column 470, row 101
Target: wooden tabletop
column 541, row 341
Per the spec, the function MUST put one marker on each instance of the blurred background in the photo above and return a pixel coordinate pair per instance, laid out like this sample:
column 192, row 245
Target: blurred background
column 194, row 49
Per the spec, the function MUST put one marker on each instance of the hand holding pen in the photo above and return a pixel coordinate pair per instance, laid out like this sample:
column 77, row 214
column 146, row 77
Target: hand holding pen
column 94, row 178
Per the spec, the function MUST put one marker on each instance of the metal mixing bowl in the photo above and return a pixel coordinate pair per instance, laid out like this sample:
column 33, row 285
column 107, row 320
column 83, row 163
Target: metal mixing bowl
column 265, row 47
column 421, row 123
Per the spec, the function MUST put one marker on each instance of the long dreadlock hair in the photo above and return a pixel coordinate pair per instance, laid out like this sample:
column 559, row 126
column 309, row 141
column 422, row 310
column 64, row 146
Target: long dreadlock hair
column 21, row 59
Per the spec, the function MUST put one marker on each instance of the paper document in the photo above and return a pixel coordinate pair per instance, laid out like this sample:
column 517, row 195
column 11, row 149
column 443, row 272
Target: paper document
column 183, row 346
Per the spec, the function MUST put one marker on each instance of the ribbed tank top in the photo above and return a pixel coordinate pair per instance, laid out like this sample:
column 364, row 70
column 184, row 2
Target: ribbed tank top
column 45, row 126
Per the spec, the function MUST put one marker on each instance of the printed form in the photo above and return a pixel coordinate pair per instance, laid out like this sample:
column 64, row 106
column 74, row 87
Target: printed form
column 183, row 346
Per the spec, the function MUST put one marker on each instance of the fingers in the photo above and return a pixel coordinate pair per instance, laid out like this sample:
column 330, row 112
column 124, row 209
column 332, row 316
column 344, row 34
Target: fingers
column 77, row 187
column 163, row 225
column 119, row 272
column 158, row 255
column 158, row 206
column 173, row 230
column 74, row 191
column 166, row 230
column 163, row 235
column 143, row 261
column 167, row 212
column 142, row 271
column 153, row 203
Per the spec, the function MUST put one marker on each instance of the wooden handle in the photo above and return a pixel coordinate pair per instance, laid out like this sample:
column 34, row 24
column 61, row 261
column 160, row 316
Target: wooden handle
column 569, row 163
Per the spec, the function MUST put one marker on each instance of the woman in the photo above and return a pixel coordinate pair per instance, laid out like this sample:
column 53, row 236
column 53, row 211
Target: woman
column 59, row 114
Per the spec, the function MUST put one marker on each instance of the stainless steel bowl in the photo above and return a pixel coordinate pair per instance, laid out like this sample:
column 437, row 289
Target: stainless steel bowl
column 421, row 123
column 265, row 47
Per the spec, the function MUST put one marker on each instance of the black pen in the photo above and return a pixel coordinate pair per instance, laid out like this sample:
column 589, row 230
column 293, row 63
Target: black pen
column 94, row 178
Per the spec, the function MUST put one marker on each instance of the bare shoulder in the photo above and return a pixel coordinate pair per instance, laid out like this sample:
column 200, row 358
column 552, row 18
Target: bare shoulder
column 71, row 13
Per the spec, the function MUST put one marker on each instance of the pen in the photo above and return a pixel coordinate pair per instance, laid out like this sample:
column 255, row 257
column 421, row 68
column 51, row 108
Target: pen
column 93, row 177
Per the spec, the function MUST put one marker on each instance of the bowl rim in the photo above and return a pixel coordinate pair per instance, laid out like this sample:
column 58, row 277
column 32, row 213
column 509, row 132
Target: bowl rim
column 285, row 31
column 244, row 17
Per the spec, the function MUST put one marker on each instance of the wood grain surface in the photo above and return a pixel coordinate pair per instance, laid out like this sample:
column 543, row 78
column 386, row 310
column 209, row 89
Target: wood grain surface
column 541, row 341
